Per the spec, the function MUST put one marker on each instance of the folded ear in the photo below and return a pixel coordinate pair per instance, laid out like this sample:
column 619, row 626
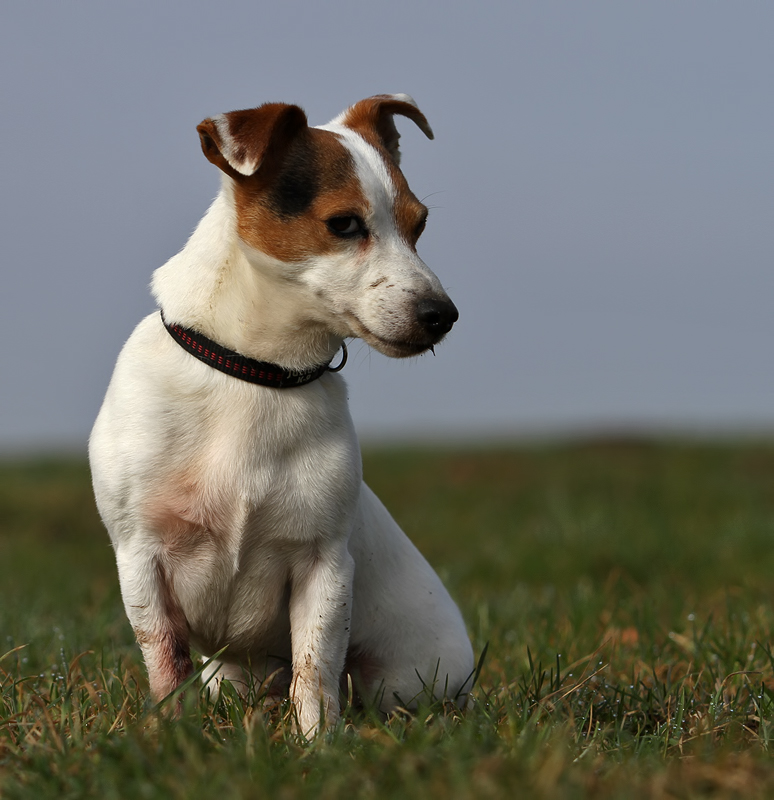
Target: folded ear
column 374, row 117
column 240, row 142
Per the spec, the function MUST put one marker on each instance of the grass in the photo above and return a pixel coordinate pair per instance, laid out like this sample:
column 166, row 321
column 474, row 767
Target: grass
column 624, row 590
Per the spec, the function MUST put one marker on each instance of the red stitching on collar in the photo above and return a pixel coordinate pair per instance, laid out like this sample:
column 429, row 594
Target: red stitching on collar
column 243, row 367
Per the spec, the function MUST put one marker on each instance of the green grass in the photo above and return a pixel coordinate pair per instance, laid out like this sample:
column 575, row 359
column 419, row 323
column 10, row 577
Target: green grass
column 624, row 590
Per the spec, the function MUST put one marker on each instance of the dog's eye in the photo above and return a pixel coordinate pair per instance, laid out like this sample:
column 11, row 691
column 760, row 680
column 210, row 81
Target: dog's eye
column 346, row 227
column 420, row 227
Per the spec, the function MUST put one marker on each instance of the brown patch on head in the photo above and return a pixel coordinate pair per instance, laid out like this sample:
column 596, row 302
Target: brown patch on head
column 372, row 119
column 283, row 211
column 290, row 180
column 241, row 142
column 410, row 215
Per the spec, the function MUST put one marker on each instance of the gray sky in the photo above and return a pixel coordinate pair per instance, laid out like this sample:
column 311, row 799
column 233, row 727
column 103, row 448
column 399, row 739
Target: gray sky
column 601, row 185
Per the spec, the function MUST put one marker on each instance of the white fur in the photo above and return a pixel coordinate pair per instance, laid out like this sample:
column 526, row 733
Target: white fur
column 250, row 499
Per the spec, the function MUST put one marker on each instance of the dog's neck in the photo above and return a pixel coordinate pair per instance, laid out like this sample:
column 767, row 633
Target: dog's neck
column 239, row 297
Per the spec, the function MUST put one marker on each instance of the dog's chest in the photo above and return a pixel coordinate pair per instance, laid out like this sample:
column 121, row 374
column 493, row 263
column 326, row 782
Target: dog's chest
column 282, row 466
column 268, row 486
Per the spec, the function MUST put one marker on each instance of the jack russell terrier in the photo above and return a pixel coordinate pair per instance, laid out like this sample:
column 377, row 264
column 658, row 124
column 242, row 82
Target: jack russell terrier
column 224, row 459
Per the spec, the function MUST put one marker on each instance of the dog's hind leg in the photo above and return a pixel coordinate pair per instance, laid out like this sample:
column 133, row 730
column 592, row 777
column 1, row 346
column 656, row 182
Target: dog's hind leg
column 215, row 672
column 156, row 617
column 270, row 681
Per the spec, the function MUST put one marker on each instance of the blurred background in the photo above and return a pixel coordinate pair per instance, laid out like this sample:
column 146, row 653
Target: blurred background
column 601, row 190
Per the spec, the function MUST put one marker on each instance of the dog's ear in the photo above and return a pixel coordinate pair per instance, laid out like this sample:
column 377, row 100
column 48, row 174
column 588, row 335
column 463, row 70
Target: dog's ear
column 374, row 116
column 240, row 142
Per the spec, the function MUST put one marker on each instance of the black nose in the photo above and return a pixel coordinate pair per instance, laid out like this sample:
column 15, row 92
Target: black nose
column 437, row 316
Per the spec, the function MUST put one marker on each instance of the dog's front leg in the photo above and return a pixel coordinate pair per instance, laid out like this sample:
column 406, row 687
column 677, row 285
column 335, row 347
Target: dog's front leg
column 320, row 613
column 155, row 615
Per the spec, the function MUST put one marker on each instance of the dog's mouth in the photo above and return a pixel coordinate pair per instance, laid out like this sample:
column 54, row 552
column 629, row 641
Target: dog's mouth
column 388, row 347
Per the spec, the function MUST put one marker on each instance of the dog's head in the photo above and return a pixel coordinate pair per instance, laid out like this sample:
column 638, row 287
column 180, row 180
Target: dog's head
column 328, row 210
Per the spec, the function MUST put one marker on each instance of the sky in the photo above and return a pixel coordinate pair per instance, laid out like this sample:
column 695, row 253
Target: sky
column 601, row 189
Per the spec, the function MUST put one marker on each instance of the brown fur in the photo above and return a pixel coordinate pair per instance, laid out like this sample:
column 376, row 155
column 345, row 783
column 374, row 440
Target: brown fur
column 372, row 119
column 283, row 214
column 258, row 134
column 293, row 239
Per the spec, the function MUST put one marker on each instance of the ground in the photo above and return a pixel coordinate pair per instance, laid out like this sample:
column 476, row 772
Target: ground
column 619, row 594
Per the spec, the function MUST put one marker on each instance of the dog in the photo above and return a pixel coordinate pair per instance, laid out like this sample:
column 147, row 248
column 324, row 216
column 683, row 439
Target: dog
column 224, row 460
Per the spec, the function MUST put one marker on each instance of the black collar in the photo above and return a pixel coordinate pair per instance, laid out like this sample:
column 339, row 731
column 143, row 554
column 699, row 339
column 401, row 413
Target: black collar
column 243, row 367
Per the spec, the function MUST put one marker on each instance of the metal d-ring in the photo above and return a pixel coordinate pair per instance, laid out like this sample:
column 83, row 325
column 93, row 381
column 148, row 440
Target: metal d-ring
column 343, row 359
